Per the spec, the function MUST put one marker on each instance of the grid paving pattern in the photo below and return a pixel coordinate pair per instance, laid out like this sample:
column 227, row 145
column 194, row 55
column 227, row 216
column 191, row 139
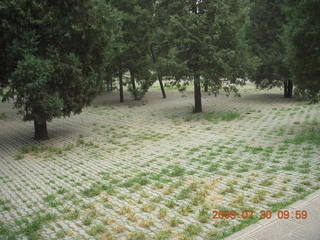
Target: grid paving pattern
column 151, row 170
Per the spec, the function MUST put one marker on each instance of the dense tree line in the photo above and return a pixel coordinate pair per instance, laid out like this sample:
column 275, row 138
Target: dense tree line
column 56, row 56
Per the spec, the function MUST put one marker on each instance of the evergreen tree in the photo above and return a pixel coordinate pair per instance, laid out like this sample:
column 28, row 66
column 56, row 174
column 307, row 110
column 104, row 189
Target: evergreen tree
column 202, row 41
column 302, row 40
column 55, row 52
column 264, row 33
column 160, row 46
column 135, row 42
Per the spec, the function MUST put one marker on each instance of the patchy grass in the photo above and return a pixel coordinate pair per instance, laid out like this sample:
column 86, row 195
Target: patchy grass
column 192, row 230
column 3, row 116
column 140, row 180
column 29, row 229
column 311, row 136
column 40, row 149
column 137, row 236
column 212, row 117
column 98, row 188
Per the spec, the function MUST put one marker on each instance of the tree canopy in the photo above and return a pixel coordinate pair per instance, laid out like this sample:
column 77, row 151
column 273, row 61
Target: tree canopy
column 264, row 32
column 302, row 41
column 55, row 54
column 203, row 44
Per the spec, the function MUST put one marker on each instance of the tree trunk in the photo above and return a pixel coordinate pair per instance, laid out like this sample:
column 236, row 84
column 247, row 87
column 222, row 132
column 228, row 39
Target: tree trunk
column 162, row 87
column 109, row 83
column 288, row 88
column 206, row 86
column 121, row 86
column 111, row 87
column 133, row 82
column 40, row 130
column 285, row 88
column 197, row 94
column 154, row 60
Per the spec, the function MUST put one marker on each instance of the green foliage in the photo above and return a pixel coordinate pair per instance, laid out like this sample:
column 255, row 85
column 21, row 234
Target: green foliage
column 302, row 41
column 264, row 33
column 54, row 54
column 204, row 42
column 132, row 46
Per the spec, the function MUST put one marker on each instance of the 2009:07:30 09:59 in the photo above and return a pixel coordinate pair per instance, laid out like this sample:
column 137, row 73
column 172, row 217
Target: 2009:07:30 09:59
column 265, row 214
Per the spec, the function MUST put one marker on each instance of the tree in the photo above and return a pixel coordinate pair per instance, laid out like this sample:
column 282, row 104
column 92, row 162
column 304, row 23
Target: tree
column 302, row 40
column 202, row 43
column 264, row 33
column 134, row 45
column 159, row 46
column 55, row 52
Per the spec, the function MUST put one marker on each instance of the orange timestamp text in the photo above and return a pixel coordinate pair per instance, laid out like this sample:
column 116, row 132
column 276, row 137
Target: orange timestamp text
column 264, row 214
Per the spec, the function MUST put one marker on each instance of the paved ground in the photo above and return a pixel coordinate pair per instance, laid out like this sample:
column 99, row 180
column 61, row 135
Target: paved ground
column 287, row 229
column 152, row 170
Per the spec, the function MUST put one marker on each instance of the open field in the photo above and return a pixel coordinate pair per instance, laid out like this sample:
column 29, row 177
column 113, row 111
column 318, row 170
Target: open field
column 152, row 170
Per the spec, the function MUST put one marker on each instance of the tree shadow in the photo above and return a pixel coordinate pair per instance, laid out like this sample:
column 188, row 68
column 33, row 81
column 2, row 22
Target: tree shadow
column 266, row 98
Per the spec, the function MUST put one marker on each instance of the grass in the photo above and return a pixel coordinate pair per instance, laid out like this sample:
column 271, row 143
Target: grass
column 299, row 189
column 212, row 117
column 137, row 236
column 288, row 167
column 185, row 210
column 148, row 208
column 170, row 203
column 311, row 136
column 5, row 205
column 74, row 215
column 30, row 229
column 147, row 223
column 204, row 215
column 175, row 171
column 162, row 213
column 267, row 182
column 192, row 230
column 255, row 150
column 184, row 194
column 221, row 224
column 164, row 235
column 140, row 180
column 213, row 167
column 19, row 156
column 259, row 196
column 95, row 230
column 98, row 188
column 38, row 149
column 87, row 221
column 3, row 116
column 174, row 222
